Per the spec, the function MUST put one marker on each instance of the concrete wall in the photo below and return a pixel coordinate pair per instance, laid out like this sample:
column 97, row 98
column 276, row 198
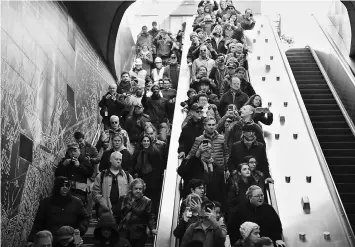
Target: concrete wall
column 51, row 81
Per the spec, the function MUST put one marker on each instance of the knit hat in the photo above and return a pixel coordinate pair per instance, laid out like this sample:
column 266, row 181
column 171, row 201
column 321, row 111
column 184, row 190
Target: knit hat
column 191, row 90
column 65, row 232
column 246, row 228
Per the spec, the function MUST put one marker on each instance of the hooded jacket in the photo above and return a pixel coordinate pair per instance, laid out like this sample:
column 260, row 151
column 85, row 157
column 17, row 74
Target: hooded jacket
column 57, row 211
column 107, row 221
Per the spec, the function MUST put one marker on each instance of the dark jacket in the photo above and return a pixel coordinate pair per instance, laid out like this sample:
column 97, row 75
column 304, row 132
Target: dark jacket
column 239, row 150
column 57, row 211
column 126, row 160
column 136, row 217
column 91, row 151
column 135, row 126
column 217, row 76
column 188, row 135
column 264, row 215
column 124, row 87
column 221, row 46
column 211, row 237
column 247, row 24
column 73, row 173
column 156, row 107
column 246, row 87
column 238, row 99
column 172, row 71
column 107, row 221
column 113, row 107
column 260, row 117
column 236, row 193
column 182, row 226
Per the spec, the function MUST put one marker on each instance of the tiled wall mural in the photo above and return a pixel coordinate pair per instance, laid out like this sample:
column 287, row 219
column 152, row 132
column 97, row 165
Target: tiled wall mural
column 51, row 81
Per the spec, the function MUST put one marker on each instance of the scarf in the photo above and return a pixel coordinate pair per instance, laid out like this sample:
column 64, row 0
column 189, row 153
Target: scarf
column 249, row 143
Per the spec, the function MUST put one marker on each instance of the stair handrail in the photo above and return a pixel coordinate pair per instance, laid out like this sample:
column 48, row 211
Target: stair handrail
column 320, row 156
column 96, row 133
column 342, row 108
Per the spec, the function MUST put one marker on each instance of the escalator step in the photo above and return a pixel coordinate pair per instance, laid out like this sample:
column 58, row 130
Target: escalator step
column 347, row 197
column 338, row 145
column 341, row 169
column 320, row 101
column 327, row 124
column 338, row 152
column 349, row 208
column 309, row 77
column 304, row 69
column 333, row 131
column 323, row 118
column 335, row 138
column 341, row 160
column 317, row 96
column 304, row 65
column 337, row 113
column 344, row 178
column 312, row 86
column 313, row 91
column 301, row 59
column 322, row 106
column 345, row 187
column 297, row 54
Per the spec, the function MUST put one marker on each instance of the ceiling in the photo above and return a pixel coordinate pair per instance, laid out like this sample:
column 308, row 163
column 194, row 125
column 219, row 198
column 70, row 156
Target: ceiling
column 99, row 20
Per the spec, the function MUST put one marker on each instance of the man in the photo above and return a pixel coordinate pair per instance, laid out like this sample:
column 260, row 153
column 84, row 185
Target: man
column 234, row 132
column 245, row 86
column 154, row 31
column 138, row 75
column 202, row 60
column 144, row 38
column 151, row 131
column 172, row 71
column 158, row 71
column 218, row 73
column 233, row 96
column 207, row 86
column 77, row 169
column 195, row 43
column 110, row 186
column 248, row 145
column 156, row 107
column 169, row 94
column 227, row 79
column 163, row 44
column 43, row 239
column 60, row 209
column 207, row 229
column 248, row 21
column 124, row 86
column 117, row 146
column 255, row 210
column 191, row 130
column 110, row 105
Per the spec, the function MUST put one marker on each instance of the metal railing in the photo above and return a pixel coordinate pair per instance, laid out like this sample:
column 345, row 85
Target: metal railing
column 323, row 164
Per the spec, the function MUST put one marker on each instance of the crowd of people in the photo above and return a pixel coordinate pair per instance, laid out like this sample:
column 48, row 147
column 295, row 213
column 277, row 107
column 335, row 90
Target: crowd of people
column 224, row 164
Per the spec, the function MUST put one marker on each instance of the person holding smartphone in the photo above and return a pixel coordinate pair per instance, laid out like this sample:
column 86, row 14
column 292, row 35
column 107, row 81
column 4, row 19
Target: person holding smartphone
column 262, row 114
column 248, row 21
column 206, row 229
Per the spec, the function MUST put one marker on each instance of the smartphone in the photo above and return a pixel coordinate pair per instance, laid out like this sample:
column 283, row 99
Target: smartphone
column 205, row 142
column 230, row 108
column 261, row 110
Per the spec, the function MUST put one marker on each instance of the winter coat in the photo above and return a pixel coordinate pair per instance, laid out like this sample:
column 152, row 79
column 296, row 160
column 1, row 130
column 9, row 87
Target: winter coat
column 246, row 87
column 264, row 215
column 239, row 150
column 135, row 126
column 217, row 76
column 156, row 107
column 188, row 135
column 136, row 216
column 91, row 151
column 101, row 189
column 107, row 221
column 172, row 71
column 219, row 152
column 141, row 75
column 236, row 193
column 126, row 160
column 147, row 61
column 78, row 174
column 208, row 63
column 57, row 211
column 221, row 47
column 211, row 237
column 163, row 47
column 247, row 24
column 238, row 99
column 144, row 39
column 124, row 87
column 113, row 107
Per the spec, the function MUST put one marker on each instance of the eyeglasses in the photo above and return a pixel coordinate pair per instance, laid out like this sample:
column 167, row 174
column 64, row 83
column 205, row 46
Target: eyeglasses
column 198, row 112
column 114, row 122
column 252, row 162
column 259, row 196
column 173, row 57
column 67, row 185
column 203, row 50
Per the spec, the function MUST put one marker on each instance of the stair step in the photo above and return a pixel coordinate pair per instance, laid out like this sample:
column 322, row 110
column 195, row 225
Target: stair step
column 298, row 50
column 320, row 118
column 320, row 106
column 303, row 65
column 329, row 124
column 316, row 72
column 337, row 145
column 301, row 59
column 347, row 197
column 309, row 77
column 345, row 187
column 312, row 86
column 320, row 101
column 341, row 169
column 349, row 208
column 326, row 113
column 317, row 96
column 344, row 178
column 298, row 54
column 341, row 160
column 333, row 131
column 314, row 91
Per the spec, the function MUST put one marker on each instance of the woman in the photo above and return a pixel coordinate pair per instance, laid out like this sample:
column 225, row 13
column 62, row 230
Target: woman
column 256, row 174
column 259, row 116
column 236, row 50
column 201, row 72
column 136, row 215
column 147, row 58
column 238, row 184
column 251, row 236
column 150, row 167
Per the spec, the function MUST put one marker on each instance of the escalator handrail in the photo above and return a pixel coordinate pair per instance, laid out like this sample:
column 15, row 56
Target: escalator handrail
column 96, row 136
column 342, row 108
column 322, row 161
column 346, row 68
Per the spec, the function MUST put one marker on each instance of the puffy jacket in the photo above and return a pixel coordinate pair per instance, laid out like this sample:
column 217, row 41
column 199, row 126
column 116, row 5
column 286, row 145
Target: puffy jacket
column 57, row 211
column 219, row 152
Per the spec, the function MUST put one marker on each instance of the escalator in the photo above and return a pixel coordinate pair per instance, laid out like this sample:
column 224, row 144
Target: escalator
column 333, row 132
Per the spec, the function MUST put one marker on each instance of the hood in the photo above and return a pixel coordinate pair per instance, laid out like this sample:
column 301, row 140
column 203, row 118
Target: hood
column 58, row 182
column 107, row 221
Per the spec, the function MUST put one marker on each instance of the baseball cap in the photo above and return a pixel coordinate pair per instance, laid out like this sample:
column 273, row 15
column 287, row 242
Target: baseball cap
column 73, row 145
column 196, row 107
column 248, row 127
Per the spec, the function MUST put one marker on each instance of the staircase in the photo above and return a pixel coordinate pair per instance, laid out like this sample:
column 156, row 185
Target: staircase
column 333, row 133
